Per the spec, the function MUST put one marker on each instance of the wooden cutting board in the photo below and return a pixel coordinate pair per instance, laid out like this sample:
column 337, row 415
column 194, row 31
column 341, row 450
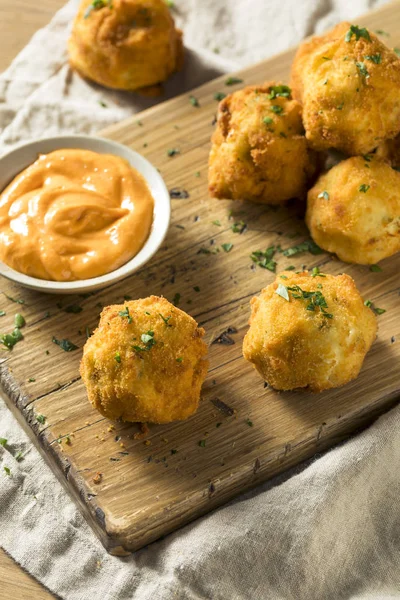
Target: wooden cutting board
column 243, row 433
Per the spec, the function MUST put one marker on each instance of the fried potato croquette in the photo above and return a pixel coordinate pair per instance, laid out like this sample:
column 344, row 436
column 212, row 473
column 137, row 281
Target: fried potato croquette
column 309, row 332
column 353, row 210
column 145, row 362
column 125, row 44
column 259, row 152
column 389, row 150
column 349, row 84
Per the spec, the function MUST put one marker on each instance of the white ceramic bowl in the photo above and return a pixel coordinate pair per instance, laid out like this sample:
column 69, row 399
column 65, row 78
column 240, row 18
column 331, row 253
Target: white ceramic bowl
column 21, row 157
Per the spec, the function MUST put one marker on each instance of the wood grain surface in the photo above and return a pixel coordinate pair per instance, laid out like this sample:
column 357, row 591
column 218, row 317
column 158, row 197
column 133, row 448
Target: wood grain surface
column 132, row 490
column 137, row 500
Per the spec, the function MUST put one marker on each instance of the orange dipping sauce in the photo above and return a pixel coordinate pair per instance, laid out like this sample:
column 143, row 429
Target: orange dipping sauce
column 74, row 214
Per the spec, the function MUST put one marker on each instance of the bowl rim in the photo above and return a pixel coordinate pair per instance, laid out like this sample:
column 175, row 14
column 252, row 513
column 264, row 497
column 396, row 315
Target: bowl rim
column 161, row 214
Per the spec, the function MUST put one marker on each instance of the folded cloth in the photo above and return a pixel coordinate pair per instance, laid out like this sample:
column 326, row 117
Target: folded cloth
column 326, row 531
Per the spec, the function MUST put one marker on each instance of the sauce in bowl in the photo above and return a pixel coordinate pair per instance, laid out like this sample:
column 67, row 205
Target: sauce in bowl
column 74, row 214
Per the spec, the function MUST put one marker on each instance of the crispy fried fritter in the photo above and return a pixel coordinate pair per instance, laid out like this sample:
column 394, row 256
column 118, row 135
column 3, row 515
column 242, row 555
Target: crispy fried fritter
column 125, row 44
column 259, row 151
column 390, row 151
column 145, row 362
column 354, row 210
column 349, row 84
column 294, row 343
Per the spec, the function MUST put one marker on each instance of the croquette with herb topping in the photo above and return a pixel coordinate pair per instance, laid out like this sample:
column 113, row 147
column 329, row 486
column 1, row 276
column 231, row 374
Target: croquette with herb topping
column 353, row 210
column 349, row 84
column 125, row 44
column 309, row 331
column 259, row 152
column 145, row 362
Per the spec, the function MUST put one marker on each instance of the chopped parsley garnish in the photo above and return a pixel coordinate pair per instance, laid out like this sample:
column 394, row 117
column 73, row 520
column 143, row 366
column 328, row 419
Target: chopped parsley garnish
column 166, row 319
column 306, row 246
column 281, row 290
column 340, row 106
column 3, row 442
column 227, row 247
column 19, row 456
column 324, row 195
column 97, row 5
column 179, row 359
column 362, row 69
column 193, row 101
column 375, row 58
column 364, row 188
column 397, row 51
column 173, row 151
column 219, row 96
column 7, row 470
column 316, row 300
column 283, row 276
column 148, row 341
column 73, row 308
column 375, row 268
column 367, row 157
column 31, row 379
column 41, row 419
column 173, row 451
column 176, row 299
column 65, row 345
column 197, row 174
column 264, row 258
column 317, row 273
column 19, row 321
column 202, row 443
column 117, row 357
column 10, row 339
column 239, row 227
column 17, row 300
column 358, row 32
column 217, row 222
column 290, row 268
column 233, row 80
column 196, row 288
column 125, row 314
column 377, row 311
column 276, row 91
column 2, row 313
column 126, row 297
column 268, row 120
column 249, row 423
column 103, row 104
column 277, row 109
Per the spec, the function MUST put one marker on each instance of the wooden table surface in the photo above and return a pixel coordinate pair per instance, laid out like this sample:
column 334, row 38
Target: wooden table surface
column 19, row 20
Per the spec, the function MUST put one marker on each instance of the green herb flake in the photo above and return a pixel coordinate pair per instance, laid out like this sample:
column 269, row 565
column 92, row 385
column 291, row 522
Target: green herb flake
column 174, row 451
column 340, row 106
column 364, row 188
column 264, row 259
column 10, row 339
column 7, row 470
column 227, row 247
column 217, row 222
column 193, row 101
column 278, row 110
column 3, row 442
column 102, row 103
column 196, row 288
column 179, row 359
column 17, row 300
column 218, row 425
column 202, row 443
column 381, row 32
column 306, row 246
column 117, row 357
column 19, row 456
column 166, row 319
column 315, row 300
column 397, row 51
column 358, row 32
column 362, row 69
column 277, row 91
column 375, row 268
column 324, row 195
column 64, row 344
column 268, row 120
column 317, row 273
column 379, row 311
column 173, row 151
column 281, row 290
column 233, row 80
column 239, row 227
column 290, row 268
column 2, row 313
column 19, row 321
column 124, row 314
column 31, row 379
column 176, row 299
column 97, row 5
column 197, row 174
column 41, row 419
column 218, row 96
column 375, row 58
column 249, row 423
